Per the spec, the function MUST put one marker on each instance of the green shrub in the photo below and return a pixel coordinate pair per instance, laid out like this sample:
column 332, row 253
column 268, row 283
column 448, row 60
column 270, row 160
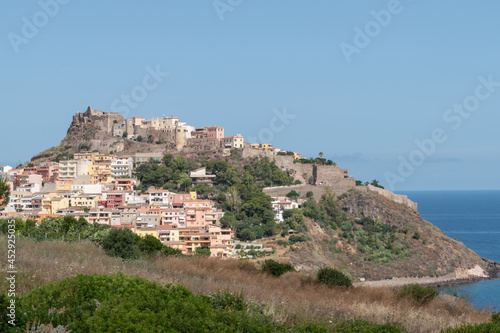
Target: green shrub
column 121, row 243
column 203, row 251
column 297, row 238
column 150, row 244
column 275, row 268
column 418, row 293
column 332, row 277
column 282, row 242
column 168, row 251
column 495, row 317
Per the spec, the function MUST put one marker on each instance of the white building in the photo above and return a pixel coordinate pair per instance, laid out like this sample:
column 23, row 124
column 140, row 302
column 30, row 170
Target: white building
column 158, row 197
column 3, row 171
column 121, row 166
column 73, row 168
column 281, row 204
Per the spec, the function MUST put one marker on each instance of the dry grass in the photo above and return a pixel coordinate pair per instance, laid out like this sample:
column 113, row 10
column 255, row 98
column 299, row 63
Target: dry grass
column 291, row 297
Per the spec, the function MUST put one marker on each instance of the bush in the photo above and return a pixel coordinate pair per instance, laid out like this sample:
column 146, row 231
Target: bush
column 150, row 244
column 168, row 251
column 332, row 277
column 495, row 317
column 203, row 251
column 275, row 268
column 297, row 238
column 418, row 293
column 121, row 243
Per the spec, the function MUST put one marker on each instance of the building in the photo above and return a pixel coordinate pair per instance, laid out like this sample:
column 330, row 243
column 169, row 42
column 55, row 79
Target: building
column 262, row 146
column 177, row 200
column 4, row 171
column 200, row 175
column 100, row 216
column 146, row 157
column 168, row 233
column 235, row 141
column 84, row 200
column 159, row 197
column 121, row 166
column 147, row 221
column 211, row 132
column 173, row 217
column 125, row 184
column 72, row 168
column 63, row 185
column 113, row 199
column 52, row 205
column 152, row 231
column 281, row 204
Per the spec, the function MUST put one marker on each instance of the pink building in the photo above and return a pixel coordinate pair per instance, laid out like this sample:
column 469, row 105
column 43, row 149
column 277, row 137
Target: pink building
column 177, row 200
column 173, row 217
column 211, row 132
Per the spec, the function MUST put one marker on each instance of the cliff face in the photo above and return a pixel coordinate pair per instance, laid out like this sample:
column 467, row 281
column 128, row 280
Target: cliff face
column 417, row 248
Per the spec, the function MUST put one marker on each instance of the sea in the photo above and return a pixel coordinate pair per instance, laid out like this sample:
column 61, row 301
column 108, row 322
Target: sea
column 472, row 217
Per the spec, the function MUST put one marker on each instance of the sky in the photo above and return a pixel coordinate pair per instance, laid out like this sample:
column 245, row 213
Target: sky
column 405, row 92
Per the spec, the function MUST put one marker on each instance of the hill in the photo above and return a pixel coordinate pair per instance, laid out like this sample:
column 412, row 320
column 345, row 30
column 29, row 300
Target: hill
column 369, row 232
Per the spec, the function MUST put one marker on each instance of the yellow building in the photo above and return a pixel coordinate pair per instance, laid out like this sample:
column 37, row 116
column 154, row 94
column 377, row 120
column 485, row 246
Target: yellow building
column 261, row 146
column 64, row 184
column 84, row 200
column 52, row 204
column 102, row 159
column 147, row 231
column 84, row 156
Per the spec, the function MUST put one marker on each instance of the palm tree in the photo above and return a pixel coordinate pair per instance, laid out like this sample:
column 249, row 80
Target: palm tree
column 321, row 154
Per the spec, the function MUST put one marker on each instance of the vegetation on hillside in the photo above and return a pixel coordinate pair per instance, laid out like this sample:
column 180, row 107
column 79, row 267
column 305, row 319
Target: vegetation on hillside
column 375, row 241
column 120, row 303
column 292, row 298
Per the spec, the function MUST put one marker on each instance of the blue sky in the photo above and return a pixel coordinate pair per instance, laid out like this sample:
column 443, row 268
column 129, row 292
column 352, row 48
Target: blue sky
column 264, row 57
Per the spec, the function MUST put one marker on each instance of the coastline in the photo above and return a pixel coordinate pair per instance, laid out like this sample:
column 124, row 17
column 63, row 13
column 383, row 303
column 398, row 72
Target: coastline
column 491, row 272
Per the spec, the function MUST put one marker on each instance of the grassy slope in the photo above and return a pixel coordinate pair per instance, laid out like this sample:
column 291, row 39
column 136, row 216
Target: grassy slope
column 290, row 298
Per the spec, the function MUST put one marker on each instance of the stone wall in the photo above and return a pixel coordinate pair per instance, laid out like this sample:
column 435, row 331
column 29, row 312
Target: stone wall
column 399, row 198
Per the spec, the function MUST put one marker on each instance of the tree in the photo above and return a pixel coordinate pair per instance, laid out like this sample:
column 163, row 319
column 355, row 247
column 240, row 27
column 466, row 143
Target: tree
column 67, row 223
column 4, row 193
column 125, row 135
column 321, row 154
column 293, row 195
column 150, row 244
column 139, row 138
column 121, row 243
column 376, row 183
column 151, row 138
column 309, row 195
column 332, row 277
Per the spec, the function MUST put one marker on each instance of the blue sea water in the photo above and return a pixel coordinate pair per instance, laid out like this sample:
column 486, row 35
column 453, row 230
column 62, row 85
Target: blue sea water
column 472, row 217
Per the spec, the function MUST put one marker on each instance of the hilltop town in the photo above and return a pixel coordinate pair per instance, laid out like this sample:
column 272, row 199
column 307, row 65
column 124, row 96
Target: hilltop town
column 198, row 189
column 91, row 175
